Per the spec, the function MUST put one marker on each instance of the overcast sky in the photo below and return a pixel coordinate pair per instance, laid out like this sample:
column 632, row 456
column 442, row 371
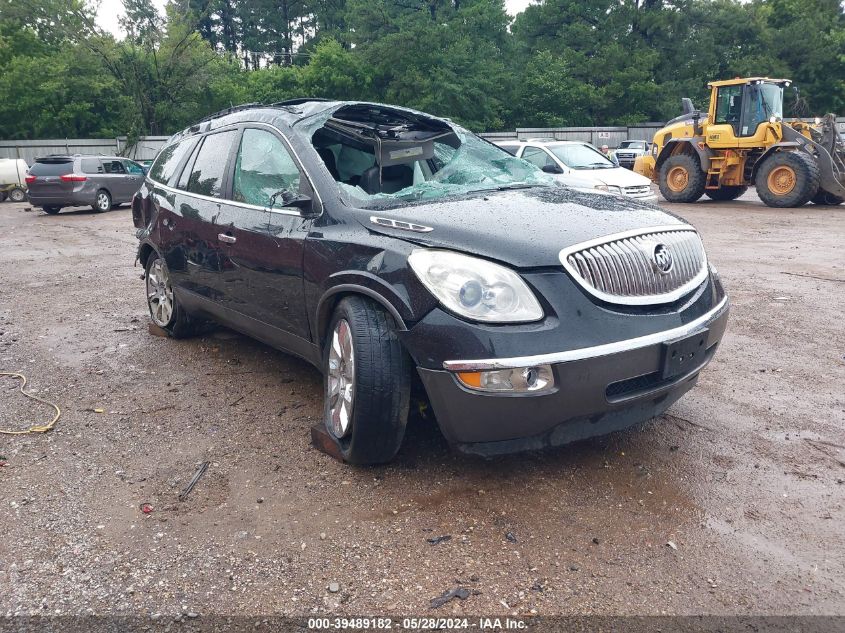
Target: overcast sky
column 111, row 10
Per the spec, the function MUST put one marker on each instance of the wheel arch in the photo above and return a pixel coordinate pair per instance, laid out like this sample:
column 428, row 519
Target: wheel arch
column 361, row 286
column 145, row 250
column 783, row 146
column 693, row 146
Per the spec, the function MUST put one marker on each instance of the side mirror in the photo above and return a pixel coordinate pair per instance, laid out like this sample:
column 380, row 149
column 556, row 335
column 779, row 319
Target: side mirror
column 552, row 169
column 290, row 199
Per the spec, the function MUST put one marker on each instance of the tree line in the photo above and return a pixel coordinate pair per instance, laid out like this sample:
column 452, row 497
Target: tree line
column 558, row 63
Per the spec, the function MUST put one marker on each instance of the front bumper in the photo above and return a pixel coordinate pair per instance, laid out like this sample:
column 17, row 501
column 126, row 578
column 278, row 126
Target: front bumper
column 598, row 390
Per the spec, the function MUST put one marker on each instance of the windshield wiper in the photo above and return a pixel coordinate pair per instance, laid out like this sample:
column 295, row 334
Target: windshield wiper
column 516, row 185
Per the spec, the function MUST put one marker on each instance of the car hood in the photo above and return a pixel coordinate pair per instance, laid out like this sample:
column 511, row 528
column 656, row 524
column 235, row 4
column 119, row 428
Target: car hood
column 525, row 228
column 618, row 177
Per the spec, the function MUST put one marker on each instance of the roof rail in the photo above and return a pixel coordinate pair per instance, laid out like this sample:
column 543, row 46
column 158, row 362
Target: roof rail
column 298, row 101
column 237, row 108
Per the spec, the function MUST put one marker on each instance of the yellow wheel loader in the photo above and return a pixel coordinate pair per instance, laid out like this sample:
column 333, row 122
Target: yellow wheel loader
column 742, row 141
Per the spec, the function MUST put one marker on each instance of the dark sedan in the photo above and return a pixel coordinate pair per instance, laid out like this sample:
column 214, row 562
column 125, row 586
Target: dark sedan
column 394, row 249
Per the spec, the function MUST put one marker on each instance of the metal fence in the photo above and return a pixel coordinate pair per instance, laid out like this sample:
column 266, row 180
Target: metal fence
column 148, row 146
column 145, row 148
column 598, row 136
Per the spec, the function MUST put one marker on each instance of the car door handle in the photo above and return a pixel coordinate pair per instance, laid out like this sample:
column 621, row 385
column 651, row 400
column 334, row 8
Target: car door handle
column 226, row 238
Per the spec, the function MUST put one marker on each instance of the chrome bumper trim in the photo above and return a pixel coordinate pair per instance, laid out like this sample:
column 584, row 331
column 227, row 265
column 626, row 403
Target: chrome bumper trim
column 588, row 352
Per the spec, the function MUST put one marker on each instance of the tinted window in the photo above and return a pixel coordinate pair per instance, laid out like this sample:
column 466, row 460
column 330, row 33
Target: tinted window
column 133, row 168
column 210, row 164
column 510, row 149
column 91, row 166
column 113, row 167
column 263, row 168
column 51, row 169
column 168, row 159
column 186, row 171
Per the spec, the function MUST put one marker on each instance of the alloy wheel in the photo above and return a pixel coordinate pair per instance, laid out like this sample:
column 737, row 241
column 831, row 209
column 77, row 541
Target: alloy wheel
column 103, row 202
column 341, row 380
column 160, row 293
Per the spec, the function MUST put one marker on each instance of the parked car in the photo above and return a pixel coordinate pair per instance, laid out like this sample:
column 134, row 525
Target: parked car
column 580, row 165
column 103, row 182
column 628, row 152
column 13, row 179
column 394, row 249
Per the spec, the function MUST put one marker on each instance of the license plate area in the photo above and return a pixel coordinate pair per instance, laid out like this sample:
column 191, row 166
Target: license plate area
column 684, row 354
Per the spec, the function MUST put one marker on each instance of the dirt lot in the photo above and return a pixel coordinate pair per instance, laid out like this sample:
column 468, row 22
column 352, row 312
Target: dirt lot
column 744, row 477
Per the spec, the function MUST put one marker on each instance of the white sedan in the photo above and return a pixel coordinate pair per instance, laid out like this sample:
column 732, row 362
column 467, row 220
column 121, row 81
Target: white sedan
column 581, row 166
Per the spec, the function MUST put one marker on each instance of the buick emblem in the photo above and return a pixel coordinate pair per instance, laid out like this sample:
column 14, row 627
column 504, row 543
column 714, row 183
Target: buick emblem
column 661, row 259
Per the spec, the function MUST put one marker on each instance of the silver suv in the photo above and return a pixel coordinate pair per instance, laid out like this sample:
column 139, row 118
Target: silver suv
column 628, row 151
column 103, row 182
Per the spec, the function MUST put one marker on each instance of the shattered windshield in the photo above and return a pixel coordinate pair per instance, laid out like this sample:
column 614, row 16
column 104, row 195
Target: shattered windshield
column 381, row 156
column 577, row 156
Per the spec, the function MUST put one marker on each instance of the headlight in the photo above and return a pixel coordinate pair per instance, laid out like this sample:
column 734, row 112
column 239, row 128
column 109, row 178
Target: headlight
column 475, row 288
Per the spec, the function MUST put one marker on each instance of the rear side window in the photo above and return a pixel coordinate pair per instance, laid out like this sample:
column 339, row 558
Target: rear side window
column 264, row 168
column 91, row 166
column 168, row 160
column 510, row 149
column 206, row 178
column 51, row 168
column 113, row 167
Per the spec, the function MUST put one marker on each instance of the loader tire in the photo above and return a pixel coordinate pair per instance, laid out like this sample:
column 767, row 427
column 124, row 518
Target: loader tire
column 787, row 179
column 681, row 179
column 726, row 192
column 825, row 197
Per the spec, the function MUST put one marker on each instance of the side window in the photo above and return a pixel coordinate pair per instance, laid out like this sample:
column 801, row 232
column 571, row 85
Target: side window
column 510, row 149
column 264, row 167
column 728, row 104
column 206, row 176
column 133, row 168
column 537, row 156
column 186, row 171
column 168, row 160
column 113, row 167
column 91, row 166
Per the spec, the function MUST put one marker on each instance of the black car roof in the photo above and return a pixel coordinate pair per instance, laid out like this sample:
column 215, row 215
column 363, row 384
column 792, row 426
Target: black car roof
column 287, row 112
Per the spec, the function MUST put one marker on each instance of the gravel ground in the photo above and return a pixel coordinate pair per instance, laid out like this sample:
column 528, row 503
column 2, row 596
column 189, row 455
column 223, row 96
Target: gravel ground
column 732, row 503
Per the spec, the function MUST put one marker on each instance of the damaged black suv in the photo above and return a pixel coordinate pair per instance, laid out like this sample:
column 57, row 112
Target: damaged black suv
column 382, row 244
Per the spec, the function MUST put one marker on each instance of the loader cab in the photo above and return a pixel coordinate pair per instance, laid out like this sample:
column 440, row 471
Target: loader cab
column 742, row 110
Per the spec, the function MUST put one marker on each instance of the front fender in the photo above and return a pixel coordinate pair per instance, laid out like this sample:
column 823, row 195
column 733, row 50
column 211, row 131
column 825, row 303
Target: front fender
column 695, row 144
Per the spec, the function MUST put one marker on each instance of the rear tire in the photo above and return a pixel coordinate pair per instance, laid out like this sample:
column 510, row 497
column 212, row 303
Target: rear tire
column 367, row 382
column 681, row 179
column 102, row 202
column 726, row 192
column 826, row 198
column 17, row 195
column 51, row 210
column 787, row 179
column 165, row 310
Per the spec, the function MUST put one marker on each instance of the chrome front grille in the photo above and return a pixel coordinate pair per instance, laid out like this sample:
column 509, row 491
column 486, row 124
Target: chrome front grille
column 638, row 190
column 631, row 268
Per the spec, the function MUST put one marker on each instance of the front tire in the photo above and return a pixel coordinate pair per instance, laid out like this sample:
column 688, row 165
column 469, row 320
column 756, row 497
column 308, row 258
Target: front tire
column 681, row 179
column 165, row 310
column 102, row 202
column 787, row 179
column 726, row 192
column 367, row 382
